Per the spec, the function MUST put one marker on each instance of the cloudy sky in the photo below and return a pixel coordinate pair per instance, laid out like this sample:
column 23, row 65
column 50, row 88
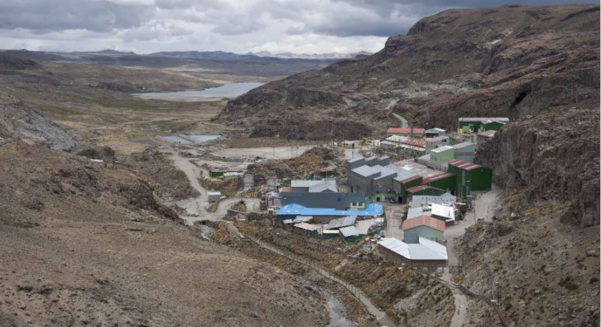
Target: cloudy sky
column 144, row 26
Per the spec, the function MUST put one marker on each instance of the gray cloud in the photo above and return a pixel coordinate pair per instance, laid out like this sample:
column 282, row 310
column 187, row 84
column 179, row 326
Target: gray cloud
column 287, row 25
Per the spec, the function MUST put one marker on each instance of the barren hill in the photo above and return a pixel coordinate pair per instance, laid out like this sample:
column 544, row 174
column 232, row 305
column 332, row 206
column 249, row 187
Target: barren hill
column 510, row 61
column 86, row 245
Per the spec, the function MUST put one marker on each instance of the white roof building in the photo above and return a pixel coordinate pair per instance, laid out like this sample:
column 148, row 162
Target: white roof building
column 442, row 211
column 425, row 250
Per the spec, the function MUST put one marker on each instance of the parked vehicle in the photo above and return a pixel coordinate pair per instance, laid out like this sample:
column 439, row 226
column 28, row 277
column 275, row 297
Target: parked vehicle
column 480, row 220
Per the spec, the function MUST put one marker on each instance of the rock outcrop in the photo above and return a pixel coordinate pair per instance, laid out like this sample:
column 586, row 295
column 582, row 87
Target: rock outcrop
column 19, row 121
column 554, row 157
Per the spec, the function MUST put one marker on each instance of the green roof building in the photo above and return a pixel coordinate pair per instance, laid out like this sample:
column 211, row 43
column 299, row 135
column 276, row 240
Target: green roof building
column 470, row 177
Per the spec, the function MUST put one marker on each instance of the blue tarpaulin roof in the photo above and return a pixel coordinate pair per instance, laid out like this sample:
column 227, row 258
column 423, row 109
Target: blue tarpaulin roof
column 293, row 209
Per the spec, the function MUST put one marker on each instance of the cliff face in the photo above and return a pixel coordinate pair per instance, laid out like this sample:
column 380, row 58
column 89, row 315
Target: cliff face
column 555, row 157
column 510, row 61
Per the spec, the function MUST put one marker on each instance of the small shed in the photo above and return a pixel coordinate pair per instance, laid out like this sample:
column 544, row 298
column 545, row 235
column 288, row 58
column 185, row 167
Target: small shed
column 306, row 229
column 349, row 234
column 214, row 196
column 423, row 226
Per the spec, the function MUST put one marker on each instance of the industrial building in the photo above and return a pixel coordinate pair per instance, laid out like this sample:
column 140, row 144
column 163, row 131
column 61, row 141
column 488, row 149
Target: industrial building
column 435, row 142
column 324, row 215
column 413, row 147
column 434, row 132
column 465, row 151
column 416, row 132
column 484, row 137
column 426, row 253
column 470, row 177
column 469, row 125
column 424, row 200
column 423, row 226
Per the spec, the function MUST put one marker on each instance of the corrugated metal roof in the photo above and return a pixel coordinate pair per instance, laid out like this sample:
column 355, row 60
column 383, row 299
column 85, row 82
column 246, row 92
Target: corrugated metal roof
column 304, row 183
column 425, row 250
column 416, row 212
column 420, row 143
column 366, row 171
column 463, row 164
column 446, row 212
column 437, row 177
column 349, row 231
column 309, row 227
column 302, row 219
column 341, row 222
column 463, row 145
column 405, row 130
column 417, row 188
column 482, row 119
column 487, row 133
column 396, row 246
column 436, row 139
column 412, row 178
column 424, row 220
column 442, row 149
column 294, row 209
column 435, row 130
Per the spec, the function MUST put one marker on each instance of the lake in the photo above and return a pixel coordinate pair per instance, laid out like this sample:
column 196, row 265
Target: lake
column 191, row 138
column 229, row 91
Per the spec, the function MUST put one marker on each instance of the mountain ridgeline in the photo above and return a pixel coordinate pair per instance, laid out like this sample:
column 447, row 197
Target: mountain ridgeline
column 510, row 61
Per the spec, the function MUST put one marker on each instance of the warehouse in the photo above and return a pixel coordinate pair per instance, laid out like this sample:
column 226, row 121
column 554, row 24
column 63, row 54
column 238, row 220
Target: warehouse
column 423, row 226
column 426, row 253
column 416, row 132
column 469, row 125
column 484, row 137
column 434, row 132
column 465, row 151
column 470, row 177
column 290, row 211
column 413, row 147
column 435, row 142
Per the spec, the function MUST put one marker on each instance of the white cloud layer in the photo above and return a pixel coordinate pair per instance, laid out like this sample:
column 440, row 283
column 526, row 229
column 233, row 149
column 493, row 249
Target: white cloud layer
column 143, row 26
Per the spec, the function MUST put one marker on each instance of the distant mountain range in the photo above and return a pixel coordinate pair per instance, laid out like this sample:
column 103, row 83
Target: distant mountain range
column 329, row 55
column 263, row 54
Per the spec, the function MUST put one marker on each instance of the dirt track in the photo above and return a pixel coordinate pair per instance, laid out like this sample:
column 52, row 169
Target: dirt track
column 196, row 207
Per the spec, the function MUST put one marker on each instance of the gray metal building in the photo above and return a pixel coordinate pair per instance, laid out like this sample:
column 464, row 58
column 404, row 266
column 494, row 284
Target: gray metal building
column 336, row 200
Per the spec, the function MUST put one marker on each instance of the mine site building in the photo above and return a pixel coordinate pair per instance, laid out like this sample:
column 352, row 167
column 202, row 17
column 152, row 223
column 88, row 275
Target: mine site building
column 446, row 199
column 470, row 177
column 423, row 226
column 320, row 194
column 327, row 214
column 426, row 253
column 434, row 132
column 465, row 151
column 413, row 147
column 468, row 125
column 484, row 137
column 414, row 132
column 436, row 142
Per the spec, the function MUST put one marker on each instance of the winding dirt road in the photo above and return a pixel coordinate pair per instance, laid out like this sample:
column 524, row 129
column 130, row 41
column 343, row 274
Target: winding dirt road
column 196, row 207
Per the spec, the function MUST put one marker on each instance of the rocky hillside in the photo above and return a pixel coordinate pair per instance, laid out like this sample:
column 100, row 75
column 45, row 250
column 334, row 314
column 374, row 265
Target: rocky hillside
column 550, row 157
column 19, row 121
column 86, row 245
column 510, row 61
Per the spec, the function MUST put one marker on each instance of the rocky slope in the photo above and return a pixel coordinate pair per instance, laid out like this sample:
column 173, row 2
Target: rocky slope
column 86, row 245
column 19, row 121
column 552, row 157
column 510, row 61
